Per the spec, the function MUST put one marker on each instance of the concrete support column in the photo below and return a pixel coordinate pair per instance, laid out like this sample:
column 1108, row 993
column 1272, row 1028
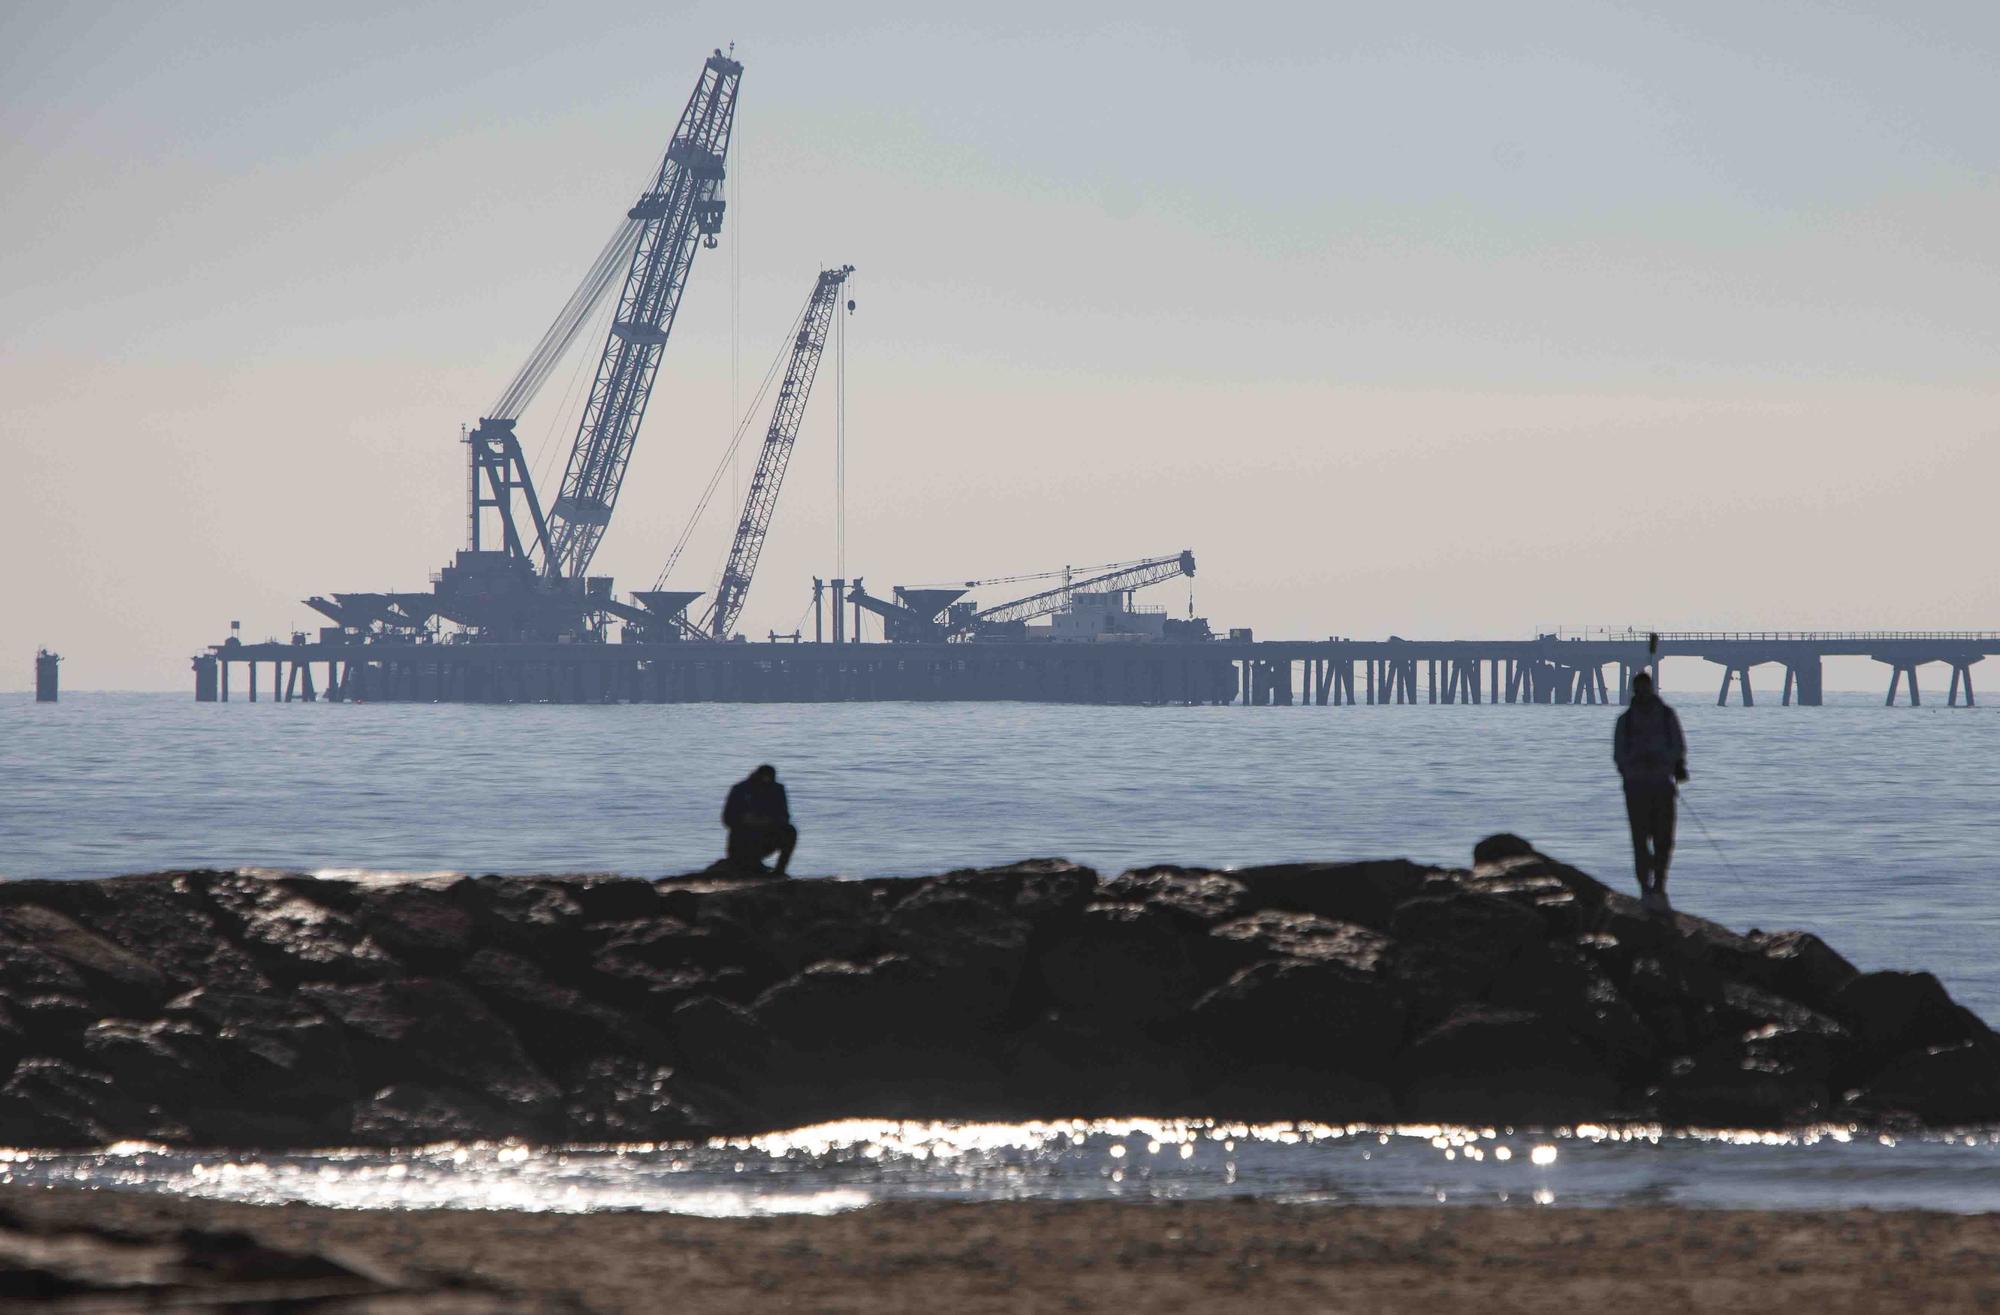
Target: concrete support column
column 1961, row 675
column 1898, row 671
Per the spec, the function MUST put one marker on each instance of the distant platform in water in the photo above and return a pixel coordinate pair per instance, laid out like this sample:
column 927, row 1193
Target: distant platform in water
column 1591, row 668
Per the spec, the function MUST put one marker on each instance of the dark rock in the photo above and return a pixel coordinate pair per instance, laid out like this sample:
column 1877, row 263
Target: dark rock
column 792, row 924
column 1894, row 1012
column 441, row 1034
column 1091, row 1066
column 1956, row 1083
column 424, row 928
column 1367, row 893
column 1800, row 965
column 414, row 1113
column 155, row 1055
column 171, row 927
column 1503, row 1066
column 655, row 965
column 230, row 1009
column 1300, row 1038
column 1204, row 898
column 1504, row 845
column 52, row 1102
column 276, row 1053
column 1126, row 962
column 720, row 1038
column 52, row 1022
column 1451, row 950
column 1272, row 934
column 1774, row 1074
column 885, row 1037
column 291, row 930
column 558, row 1025
column 619, row 1099
column 975, row 950
column 81, row 954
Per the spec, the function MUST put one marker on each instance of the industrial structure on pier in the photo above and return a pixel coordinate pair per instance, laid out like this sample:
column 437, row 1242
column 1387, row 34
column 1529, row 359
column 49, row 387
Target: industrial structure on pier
column 517, row 616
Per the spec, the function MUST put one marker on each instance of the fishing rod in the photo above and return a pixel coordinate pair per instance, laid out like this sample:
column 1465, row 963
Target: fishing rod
column 1680, row 791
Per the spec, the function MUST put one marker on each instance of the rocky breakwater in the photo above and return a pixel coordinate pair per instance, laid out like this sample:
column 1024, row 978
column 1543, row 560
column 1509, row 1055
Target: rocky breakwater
column 226, row 1009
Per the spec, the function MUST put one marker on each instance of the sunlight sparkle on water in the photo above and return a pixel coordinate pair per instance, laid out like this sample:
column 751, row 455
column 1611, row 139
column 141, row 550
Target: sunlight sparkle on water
column 852, row 1163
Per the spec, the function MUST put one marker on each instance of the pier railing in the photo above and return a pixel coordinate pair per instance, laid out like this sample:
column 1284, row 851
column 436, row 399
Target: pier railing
column 1782, row 636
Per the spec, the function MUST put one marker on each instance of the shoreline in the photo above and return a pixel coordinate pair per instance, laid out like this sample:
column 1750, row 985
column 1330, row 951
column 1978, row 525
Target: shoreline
column 1162, row 1256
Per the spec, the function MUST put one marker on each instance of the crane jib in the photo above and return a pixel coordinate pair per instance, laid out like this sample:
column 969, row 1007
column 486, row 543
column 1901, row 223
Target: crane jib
column 679, row 213
column 1135, row 576
column 786, row 414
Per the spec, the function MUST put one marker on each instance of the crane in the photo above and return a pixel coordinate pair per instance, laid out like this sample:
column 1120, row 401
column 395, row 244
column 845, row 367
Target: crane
column 786, row 413
column 680, row 211
column 1130, row 576
column 937, row 614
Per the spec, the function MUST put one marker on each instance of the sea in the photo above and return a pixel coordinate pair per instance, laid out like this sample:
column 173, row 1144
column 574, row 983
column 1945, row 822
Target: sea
column 1875, row 827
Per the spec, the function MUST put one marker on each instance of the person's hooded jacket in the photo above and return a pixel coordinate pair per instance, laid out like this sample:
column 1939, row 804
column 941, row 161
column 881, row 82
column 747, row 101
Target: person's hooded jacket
column 1648, row 745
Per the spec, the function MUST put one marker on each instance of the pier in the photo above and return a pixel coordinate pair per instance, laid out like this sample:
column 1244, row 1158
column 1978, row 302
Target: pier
column 1552, row 669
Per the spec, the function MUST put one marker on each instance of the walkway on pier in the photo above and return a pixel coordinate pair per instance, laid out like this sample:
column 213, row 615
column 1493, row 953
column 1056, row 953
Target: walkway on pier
column 1563, row 668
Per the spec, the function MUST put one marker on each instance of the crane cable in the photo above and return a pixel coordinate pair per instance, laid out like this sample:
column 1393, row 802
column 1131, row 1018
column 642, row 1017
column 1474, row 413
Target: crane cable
column 562, row 332
column 564, row 416
column 729, row 455
column 840, row 443
column 734, row 185
column 587, row 314
column 1034, row 575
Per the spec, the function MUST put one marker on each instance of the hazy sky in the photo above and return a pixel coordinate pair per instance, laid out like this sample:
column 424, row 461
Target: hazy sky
column 1434, row 320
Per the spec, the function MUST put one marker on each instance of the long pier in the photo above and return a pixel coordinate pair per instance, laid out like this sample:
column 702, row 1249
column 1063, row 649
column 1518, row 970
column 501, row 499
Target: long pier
column 1551, row 669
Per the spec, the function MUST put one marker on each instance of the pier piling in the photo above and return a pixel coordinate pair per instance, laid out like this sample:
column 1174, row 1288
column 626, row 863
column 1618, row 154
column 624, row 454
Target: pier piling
column 1312, row 673
column 46, row 679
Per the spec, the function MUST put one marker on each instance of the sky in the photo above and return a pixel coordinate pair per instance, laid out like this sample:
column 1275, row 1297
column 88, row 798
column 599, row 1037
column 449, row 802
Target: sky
column 1449, row 320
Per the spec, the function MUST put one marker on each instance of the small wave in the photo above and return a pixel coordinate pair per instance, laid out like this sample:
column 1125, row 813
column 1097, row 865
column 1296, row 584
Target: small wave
column 830, row 1167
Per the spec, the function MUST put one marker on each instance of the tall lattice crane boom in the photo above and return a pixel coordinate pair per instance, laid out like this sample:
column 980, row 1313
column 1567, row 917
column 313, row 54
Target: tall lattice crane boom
column 786, row 413
column 1135, row 576
column 679, row 212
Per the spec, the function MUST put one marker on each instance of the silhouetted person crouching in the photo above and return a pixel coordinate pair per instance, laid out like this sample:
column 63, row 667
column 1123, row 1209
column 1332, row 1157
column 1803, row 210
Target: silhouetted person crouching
column 759, row 819
column 1651, row 754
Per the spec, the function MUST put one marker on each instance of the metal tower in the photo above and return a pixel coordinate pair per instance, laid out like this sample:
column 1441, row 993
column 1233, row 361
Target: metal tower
column 682, row 209
column 786, row 413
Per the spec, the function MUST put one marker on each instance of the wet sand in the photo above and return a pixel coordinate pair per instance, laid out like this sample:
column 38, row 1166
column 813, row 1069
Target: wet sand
column 1042, row 1256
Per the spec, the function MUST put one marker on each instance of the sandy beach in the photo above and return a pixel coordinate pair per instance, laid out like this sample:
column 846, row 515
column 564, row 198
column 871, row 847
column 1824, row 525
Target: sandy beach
column 1037, row 1256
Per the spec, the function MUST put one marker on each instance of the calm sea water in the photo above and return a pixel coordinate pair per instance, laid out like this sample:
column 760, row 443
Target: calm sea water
column 1875, row 827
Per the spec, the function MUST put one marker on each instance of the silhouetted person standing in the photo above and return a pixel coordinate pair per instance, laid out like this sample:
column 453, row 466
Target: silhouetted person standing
column 1651, row 754
column 759, row 818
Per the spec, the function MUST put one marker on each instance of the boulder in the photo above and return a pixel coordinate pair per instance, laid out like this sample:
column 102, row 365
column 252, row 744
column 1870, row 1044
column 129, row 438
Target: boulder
column 1502, row 1066
column 1130, row 964
column 1955, row 1083
column 1364, row 893
column 1893, row 1013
